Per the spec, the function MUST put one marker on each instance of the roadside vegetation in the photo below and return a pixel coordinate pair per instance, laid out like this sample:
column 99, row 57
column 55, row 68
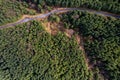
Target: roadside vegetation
column 54, row 18
column 12, row 10
column 104, row 5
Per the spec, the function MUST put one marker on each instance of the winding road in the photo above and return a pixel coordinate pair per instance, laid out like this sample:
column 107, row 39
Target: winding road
column 58, row 10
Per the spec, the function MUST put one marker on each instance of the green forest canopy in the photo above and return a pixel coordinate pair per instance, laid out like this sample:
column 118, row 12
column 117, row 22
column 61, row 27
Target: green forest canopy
column 25, row 48
column 105, row 5
column 101, row 40
column 28, row 52
column 11, row 10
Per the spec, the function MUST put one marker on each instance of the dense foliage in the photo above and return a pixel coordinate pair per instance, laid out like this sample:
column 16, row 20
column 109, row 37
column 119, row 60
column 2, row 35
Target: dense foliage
column 11, row 10
column 105, row 5
column 101, row 40
column 28, row 52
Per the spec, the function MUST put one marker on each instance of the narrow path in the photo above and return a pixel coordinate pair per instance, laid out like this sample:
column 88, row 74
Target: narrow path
column 58, row 10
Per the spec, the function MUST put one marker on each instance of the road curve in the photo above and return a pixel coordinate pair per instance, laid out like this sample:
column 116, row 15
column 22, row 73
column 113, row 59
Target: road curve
column 58, row 10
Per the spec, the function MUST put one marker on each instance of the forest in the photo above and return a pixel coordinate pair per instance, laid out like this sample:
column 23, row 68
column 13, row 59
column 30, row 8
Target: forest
column 12, row 10
column 104, row 5
column 101, row 40
column 28, row 52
